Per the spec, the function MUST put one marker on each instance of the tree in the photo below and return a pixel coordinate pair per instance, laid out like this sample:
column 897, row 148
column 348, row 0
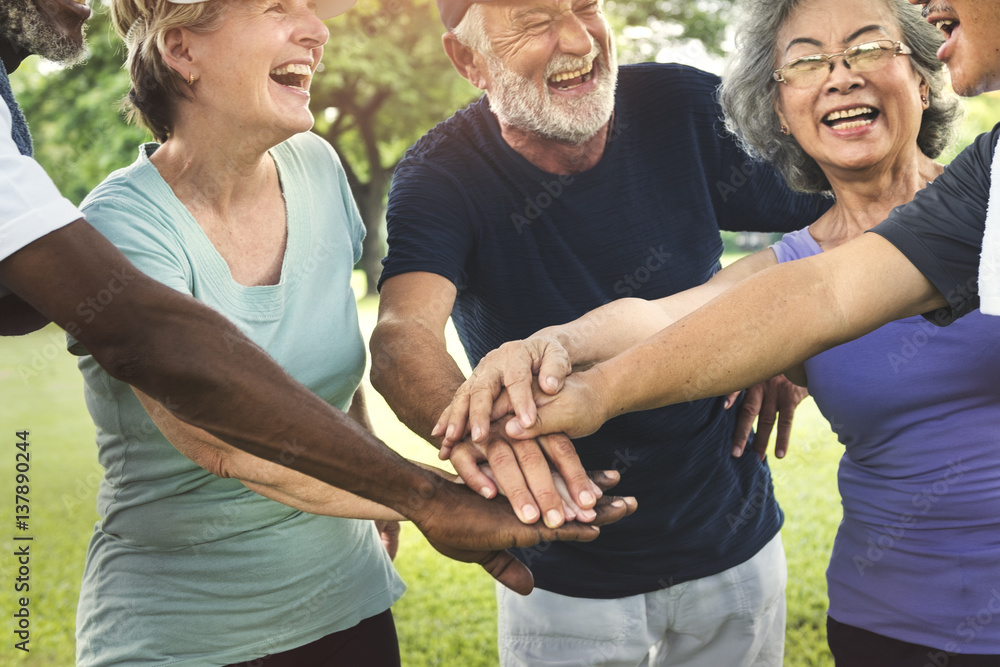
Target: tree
column 385, row 81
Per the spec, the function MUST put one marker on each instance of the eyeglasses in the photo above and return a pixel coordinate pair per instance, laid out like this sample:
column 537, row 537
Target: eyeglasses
column 811, row 70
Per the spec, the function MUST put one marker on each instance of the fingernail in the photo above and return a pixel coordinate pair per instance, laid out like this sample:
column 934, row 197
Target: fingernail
column 436, row 431
column 525, row 420
column 618, row 503
column 588, row 515
column 587, row 498
column 514, row 429
column 477, row 433
column 551, row 382
column 529, row 513
column 486, row 491
column 553, row 518
column 737, row 452
column 450, row 432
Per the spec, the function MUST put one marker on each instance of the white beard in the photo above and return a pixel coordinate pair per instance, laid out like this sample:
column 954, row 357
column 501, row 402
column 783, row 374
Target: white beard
column 27, row 28
column 519, row 103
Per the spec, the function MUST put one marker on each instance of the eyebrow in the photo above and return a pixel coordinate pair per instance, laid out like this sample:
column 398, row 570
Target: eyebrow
column 850, row 38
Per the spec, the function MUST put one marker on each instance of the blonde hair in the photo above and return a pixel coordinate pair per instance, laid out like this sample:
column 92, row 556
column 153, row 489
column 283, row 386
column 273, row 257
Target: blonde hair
column 156, row 86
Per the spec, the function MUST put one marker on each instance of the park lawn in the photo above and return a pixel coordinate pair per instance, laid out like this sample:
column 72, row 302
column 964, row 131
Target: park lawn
column 447, row 615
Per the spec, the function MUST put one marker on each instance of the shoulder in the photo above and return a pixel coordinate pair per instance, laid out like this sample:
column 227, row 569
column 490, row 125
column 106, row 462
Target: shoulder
column 308, row 150
column 451, row 140
column 132, row 202
column 666, row 82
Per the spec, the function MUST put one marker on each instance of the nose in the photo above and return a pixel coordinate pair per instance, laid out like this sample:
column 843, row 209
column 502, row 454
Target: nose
column 574, row 37
column 842, row 78
column 312, row 32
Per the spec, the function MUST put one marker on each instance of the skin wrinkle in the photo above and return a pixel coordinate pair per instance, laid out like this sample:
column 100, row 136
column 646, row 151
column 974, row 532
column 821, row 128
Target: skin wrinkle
column 27, row 27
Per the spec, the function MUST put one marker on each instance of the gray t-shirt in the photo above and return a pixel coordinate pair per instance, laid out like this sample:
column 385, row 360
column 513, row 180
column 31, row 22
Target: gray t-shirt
column 941, row 230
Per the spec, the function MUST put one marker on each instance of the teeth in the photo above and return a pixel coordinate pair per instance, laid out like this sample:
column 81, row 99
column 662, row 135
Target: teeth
column 853, row 124
column 848, row 113
column 944, row 23
column 566, row 76
column 295, row 68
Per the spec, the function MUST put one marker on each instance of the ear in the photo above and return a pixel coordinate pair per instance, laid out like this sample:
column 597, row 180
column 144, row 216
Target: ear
column 176, row 52
column 465, row 60
column 781, row 116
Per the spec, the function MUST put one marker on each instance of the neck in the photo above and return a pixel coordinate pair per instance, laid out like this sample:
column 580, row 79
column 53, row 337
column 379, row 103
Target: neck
column 207, row 172
column 556, row 157
column 865, row 198
column 11, row 55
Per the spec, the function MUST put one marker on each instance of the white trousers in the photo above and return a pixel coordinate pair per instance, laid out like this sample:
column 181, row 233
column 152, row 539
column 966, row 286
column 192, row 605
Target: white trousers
column 732, row 619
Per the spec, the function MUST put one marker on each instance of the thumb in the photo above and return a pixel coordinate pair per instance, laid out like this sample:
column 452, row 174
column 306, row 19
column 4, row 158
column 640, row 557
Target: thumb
column 509, row 571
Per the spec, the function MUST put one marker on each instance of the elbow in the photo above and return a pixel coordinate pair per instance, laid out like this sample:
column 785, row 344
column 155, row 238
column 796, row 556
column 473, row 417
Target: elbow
column 385, row 352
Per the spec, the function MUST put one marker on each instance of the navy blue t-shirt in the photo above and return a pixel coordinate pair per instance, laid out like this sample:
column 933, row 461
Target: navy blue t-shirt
column 529, row 249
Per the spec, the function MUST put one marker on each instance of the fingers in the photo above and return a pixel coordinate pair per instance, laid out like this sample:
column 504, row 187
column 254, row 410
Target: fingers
column 765, row 420
column 613, row 508
column 466, row 459
column 731, row 399
column 538, row 476
column 745, row 418
column 553, row 369
column 562, row 454
column 512, row 483
column 790, row 400
column 509, row 571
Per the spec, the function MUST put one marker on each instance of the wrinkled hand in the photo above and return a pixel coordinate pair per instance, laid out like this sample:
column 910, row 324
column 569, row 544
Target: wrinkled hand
column 580, row 408
column 467, row 527
column 389, row 532
column 512, row 366
column 776, row 398
column 522, row 469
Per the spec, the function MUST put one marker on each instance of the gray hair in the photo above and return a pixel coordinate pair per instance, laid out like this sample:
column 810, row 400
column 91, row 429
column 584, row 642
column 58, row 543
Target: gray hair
column 471, row 30
column 749, row 92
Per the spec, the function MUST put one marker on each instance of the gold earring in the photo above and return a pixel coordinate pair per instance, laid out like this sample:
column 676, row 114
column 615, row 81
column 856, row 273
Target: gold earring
column 190, row 81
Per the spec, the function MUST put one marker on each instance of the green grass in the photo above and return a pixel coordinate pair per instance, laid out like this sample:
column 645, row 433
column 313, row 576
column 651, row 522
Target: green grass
column 446, row 617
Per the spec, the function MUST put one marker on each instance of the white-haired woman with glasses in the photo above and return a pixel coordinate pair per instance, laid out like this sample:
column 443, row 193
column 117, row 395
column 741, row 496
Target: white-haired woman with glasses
column 205, row 555
column 846, row 97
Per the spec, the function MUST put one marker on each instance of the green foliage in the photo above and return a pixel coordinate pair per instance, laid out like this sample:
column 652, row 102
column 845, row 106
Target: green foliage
column 703, row 20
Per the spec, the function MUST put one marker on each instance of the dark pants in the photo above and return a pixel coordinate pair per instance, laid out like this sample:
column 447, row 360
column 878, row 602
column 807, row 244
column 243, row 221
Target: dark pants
column 854, row 647
column 371, row 643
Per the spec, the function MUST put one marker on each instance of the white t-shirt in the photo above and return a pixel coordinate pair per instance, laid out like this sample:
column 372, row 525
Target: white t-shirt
column 30, row 203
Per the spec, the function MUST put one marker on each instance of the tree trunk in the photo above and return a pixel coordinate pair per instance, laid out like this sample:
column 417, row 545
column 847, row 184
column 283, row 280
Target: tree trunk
column 371, row 204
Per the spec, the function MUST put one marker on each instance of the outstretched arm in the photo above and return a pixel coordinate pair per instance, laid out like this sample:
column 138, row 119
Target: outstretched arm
column 771, row 321
column 190, row 358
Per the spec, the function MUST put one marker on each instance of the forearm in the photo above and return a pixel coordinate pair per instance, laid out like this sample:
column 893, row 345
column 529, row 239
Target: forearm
column 617, row 326
column 413, row 371
column 768, row 323
column 269, row 479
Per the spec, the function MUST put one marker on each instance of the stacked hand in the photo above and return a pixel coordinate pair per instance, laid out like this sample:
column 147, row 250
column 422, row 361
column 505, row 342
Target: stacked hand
column 531, row 379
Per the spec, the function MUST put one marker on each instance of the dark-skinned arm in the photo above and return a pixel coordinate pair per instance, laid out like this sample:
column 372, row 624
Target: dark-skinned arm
column 204, row 371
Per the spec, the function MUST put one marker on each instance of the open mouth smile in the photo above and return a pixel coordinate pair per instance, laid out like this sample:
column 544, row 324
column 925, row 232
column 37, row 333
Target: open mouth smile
column 849, row 119
column 296, row 76
column 569, row 80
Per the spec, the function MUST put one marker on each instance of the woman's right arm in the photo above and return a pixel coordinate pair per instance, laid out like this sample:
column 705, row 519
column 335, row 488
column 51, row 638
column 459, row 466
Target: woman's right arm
column 552, row 353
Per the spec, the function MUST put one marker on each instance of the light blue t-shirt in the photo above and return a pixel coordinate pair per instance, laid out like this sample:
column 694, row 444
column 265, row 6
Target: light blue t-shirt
column 917, row 407
column 186, row 568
